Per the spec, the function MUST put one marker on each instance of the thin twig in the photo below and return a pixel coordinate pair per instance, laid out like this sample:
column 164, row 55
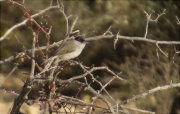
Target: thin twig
column 33, row 55
column 150, row 19
column 66, row 18
column 15, row 68
column 74, row 22
column 53, row 70
column 178, row 22
column 6, row 91
column 25, row 21
column 157, row 53
column 159, row 88
column 176, row 52
column 134, row 38
column 102, row 88
column 78, row 102
column 108, row 31
column 94, row 79
column 9, row 59
column 101, row 97
column 48, row 40
column 37, row 43
column 115, row 40
column 139, row 110
column 161, row 50
column 94, row 69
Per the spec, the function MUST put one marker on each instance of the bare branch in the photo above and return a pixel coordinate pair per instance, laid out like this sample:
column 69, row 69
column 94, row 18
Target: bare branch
column 176, row 52
column 94, row 79
column 66, row 18
column 178, row 22
column 161, row 50
column 48, row 40
column 157, row 53
column 94, row 69
column 6, row 91
column 74, row 22
column 139, row 110
column 78, row 102
column 53, row 70
column 102, row 88
column 115, row 40
column 33, row 56
column 149, row 19
column 100, row 97
column 108, row 31
column 159, row 88
column 15, row 68
column 25, row 21
column 134, row 38
column 20, row 99
column 9, row 59
column 20, row 43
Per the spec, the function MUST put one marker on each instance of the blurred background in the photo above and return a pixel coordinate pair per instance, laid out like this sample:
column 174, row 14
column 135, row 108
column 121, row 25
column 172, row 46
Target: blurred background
column 137, row 60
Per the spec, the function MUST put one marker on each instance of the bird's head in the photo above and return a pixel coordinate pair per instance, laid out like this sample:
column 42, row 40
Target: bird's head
column 80, row 38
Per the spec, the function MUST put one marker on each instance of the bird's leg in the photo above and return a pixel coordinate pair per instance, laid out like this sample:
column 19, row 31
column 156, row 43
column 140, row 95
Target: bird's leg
column 78, row 60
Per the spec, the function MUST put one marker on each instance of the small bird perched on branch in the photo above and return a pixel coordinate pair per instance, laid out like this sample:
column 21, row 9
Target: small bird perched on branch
column 69, row 49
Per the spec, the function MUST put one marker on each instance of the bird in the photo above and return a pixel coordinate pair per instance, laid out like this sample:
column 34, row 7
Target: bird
column 69, row 49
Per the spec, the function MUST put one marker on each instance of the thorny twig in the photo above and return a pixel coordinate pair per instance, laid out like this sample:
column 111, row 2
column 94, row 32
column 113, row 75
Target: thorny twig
column 25, row 50
column 149, row 19
column 29, row 17
column 25, row 21
column 133, row 38
column 78, row 102
column 89, row 88
column 94, row 79
column 97, row 38
column 97, row 68
column 37, row 43
column 136, row 97
column 48, row 40
column 102, row 88
column 6, row 91
column 159, row 88
column 9, row 59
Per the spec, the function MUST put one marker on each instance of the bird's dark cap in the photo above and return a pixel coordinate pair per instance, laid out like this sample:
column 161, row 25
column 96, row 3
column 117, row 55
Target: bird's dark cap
column 80, row 38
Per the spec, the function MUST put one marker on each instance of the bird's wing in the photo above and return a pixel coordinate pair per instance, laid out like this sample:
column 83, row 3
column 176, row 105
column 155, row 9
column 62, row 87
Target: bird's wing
column 66, row 47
